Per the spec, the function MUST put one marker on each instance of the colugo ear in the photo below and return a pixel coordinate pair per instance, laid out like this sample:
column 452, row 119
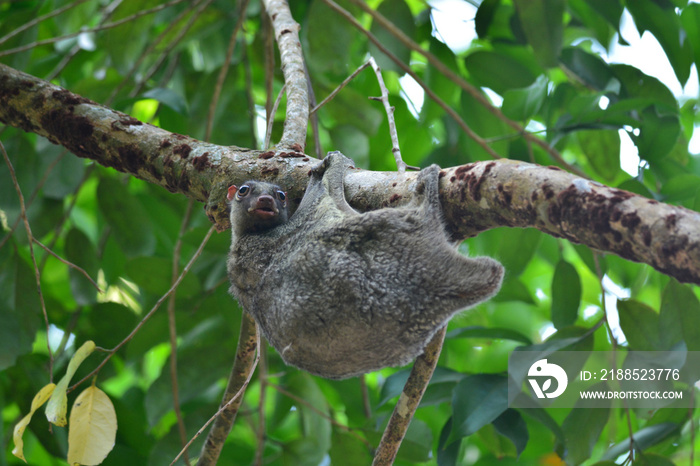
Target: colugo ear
column 231, row 192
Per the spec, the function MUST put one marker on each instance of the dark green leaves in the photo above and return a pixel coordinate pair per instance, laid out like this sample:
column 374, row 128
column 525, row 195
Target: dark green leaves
column 81, row 252
column 398, row 13
column 542, row 22
column 478, row 400
column 566, row 295
column 664, row 23
column 508, row 68
column 582, row 429
column 640, row 324
column 679, row 318
column 130, row 224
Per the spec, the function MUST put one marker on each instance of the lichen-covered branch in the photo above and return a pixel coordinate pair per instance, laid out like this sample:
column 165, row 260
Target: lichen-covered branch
column 240, row 375
column 287, row 35
column 408, row 402
column 476, row 197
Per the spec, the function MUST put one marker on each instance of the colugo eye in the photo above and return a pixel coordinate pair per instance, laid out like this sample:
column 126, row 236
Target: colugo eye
column 243, row 191
column 281, row 196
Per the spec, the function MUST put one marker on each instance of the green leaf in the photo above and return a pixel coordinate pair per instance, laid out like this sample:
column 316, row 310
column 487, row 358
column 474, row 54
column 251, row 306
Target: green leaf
column 690, row 19
column 542, row 22
column 566, row 295
column 681, row 188
column 602, row 148
column 586, row 255
column 314, row 425
column 478, row 400
column 665, row 24
column 486, row 125
column 590, row 69
column 167, row 97
column 393, row 386
column 513, row 289
column 523, row 104
column 398, row 13
column 679, row 316
column 351, row 141
column 569, row 339
column 640, row 325
column 517, row 249
column 447, row 455
column 536, row 412
column 637, row 84
column 658, row 134
column 131, row 226
column 109, row 323
column 81, row 252
column 512, row 425
column 500, row 71
column 582, row 428
column 497, row 21
column 491, row 333
column 324, row 55
column 348, row 450
column 65, row 177
column 19, row 321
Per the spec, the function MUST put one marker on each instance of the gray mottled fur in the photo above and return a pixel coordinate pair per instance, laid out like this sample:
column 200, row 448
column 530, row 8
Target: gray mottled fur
column 340, row 293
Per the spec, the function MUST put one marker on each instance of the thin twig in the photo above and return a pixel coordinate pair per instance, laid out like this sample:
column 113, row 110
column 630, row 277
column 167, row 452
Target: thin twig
column 407, row 69
column 114, row 24
column 69, row 264
column 172, row 330
column 241, row 374
column 148, row 50
column 38, row 187
column 408, row 401
column 66, row 214
column 150, row 313
column 39, row 19
column 262, row 377
column 171, row 45
column 37, row 276
column 271, row 117
column 365, row 397
column 340, row 87
column 106, row 14
column 400, row 164
column 242, row 5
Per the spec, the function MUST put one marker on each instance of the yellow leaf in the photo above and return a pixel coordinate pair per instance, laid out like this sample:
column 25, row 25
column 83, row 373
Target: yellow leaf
column 58, row 404
column 93, row 428
column 39, row 399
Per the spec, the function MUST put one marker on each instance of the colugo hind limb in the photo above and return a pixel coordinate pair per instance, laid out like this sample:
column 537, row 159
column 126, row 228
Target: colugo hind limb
column 340, row 293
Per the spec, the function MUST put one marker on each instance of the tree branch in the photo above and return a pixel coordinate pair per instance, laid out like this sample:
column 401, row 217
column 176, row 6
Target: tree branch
column 287, row 34
column 238, row 379
column 408, row 402
column 476, row 197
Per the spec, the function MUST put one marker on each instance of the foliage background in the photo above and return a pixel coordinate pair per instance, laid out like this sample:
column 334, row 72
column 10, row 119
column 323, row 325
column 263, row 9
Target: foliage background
column 539, row 56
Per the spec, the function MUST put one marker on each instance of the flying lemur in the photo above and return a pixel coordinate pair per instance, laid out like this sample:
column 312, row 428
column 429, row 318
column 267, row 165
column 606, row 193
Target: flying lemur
column 340, row 293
